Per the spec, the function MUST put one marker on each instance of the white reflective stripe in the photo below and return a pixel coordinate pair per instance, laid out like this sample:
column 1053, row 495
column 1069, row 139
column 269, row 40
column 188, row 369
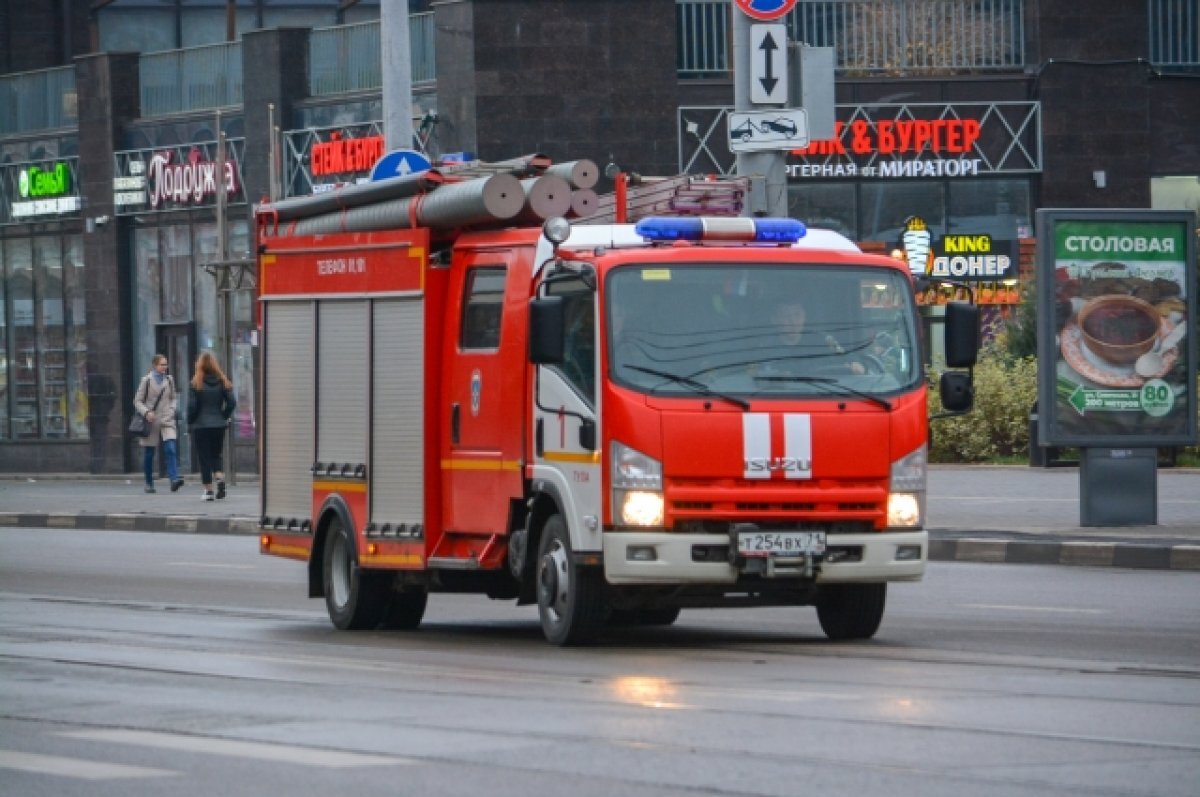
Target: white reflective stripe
column 756, row 443
column 797, row 445
column 75, row 767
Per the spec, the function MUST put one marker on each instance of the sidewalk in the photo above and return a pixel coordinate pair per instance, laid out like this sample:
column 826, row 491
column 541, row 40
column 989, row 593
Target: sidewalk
column 1011, row 514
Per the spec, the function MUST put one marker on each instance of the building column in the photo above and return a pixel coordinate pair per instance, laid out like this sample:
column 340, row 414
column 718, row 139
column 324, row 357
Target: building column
column 275, row 70
column 107, row 87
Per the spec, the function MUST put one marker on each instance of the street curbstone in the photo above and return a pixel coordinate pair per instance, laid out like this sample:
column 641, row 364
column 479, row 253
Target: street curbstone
column 942, row 550
column 1094, row 554
column 1143, row 557
column 1185, row 557
column 1033, row 553
column 981, row 550
column 183, row 523
column 989, row 550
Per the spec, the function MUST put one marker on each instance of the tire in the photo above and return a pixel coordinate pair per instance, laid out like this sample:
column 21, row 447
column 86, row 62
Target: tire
column 356, row 599
column 661, row 616
column 570, row 599
column 405, row 610
column 851, row 611
column 664, row 616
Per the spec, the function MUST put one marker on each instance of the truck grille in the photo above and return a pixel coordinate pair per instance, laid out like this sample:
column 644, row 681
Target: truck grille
column 709, row 506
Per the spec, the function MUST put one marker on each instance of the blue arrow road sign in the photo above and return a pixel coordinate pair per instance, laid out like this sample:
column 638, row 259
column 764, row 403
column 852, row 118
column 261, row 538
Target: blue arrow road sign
column 398, row 163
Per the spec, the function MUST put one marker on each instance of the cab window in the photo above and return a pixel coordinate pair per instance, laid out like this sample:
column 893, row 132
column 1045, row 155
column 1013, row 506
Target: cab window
column 579, row 343
column 483, row 302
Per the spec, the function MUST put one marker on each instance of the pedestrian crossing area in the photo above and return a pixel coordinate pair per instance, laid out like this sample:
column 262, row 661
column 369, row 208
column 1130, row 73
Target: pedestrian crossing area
column 100, row 768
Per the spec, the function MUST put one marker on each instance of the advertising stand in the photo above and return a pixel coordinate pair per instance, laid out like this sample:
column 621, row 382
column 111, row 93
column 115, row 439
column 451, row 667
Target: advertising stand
column 1117, row 350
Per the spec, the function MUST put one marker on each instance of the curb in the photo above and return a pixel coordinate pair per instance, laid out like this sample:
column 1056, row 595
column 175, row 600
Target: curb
column 181, row 524
column 1065, row 552
column 993, row 550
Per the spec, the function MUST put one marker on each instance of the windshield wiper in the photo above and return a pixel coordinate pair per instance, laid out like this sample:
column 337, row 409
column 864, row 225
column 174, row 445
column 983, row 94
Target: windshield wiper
column 832, row 385
column 698, row 386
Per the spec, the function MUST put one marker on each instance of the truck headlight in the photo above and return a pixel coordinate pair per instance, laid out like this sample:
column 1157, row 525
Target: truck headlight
column 906, row 496
column 636, row 487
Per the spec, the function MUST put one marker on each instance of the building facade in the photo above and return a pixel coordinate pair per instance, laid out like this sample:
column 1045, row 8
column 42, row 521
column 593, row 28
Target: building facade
column 134, row 144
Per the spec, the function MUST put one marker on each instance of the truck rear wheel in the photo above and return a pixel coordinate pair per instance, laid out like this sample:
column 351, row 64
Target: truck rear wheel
column 570, row 599
column 355, row 598
column 851, row 611
column 405, row 610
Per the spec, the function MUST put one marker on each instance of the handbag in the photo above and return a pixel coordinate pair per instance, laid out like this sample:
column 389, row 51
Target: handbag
column 138, row 425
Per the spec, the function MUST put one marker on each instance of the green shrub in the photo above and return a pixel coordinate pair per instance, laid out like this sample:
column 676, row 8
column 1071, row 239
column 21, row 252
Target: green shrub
column 998, row 425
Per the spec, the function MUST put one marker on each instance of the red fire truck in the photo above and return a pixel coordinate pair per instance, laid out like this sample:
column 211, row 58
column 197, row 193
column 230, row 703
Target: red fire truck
column 612, row 421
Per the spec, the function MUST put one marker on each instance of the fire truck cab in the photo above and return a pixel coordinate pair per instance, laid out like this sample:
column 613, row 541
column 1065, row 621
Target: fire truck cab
column 615, row 421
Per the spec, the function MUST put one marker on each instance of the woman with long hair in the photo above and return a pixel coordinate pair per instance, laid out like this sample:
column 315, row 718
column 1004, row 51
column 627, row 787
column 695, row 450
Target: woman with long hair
column 212, row 404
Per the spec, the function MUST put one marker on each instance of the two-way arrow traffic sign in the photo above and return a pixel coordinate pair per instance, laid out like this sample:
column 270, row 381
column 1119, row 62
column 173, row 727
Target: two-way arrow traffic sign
column 768, row 64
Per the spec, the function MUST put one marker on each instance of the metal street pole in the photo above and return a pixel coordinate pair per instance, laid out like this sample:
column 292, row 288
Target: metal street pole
column 396, row 58
column 225, row 305
column 767, row 170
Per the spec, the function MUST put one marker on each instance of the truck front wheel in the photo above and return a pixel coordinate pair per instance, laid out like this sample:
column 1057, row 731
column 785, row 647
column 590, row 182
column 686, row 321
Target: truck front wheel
column 851, row 611
column 570, row 598
column 356, row 599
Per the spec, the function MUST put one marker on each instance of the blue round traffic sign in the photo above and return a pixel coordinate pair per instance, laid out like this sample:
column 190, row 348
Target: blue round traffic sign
column 398, row 163
column 765, row 10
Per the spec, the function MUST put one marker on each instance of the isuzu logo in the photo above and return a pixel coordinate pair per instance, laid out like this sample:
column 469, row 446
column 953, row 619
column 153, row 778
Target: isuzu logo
column 783, row 450
column 784, row 464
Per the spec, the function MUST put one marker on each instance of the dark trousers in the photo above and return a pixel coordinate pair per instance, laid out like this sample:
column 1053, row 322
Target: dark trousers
column 209, row 444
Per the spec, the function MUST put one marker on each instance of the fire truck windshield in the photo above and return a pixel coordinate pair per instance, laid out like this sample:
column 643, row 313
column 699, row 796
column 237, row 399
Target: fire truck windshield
column 753, row 330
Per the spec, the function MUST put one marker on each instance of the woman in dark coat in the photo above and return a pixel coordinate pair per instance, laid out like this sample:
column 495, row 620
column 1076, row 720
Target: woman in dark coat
column 212, row 403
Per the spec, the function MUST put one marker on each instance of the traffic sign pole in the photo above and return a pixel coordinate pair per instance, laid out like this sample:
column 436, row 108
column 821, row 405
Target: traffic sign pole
column 765, row 169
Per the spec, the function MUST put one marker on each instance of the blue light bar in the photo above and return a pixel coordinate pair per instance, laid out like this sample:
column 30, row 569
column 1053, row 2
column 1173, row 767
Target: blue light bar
column 702, row 228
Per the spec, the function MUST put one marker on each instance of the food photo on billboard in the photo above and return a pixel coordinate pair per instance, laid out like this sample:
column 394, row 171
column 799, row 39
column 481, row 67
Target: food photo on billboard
column 1116, row 317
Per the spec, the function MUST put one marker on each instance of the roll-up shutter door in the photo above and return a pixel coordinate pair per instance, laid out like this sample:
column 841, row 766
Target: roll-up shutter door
column 288, row 434
column 397, row 445
column 342, row 386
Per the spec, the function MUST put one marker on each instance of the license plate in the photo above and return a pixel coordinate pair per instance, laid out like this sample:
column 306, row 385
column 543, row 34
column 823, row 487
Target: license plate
column 781, row 543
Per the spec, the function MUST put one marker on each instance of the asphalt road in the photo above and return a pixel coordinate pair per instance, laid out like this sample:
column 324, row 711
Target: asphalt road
column 166, row 664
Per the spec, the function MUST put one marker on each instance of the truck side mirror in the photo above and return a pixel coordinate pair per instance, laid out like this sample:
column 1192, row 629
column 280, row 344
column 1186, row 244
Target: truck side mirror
column 962, row 334
column 587, row 435
column 547, row 329
column 957, row 391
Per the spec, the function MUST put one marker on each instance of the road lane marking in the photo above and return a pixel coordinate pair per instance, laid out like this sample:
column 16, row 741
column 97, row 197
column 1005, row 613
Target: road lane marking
column 237, row 748
column 1054, row 609
column 75, row 767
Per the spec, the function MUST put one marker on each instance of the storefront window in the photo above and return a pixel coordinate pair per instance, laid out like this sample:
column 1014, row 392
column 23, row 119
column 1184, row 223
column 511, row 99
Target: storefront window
column 999, row 208
column 176, row 288
column 23, row 346
column 830, row 206
column 208, row 322
column 52, row 353
column 42, row 341
column 5, row 396
column 77, row 385
column 885, row 206
column 245, row 341
column 177, row 273
column 149, row 292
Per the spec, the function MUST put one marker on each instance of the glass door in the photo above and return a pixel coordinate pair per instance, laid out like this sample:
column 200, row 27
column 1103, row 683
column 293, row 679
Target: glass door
column 178, row 343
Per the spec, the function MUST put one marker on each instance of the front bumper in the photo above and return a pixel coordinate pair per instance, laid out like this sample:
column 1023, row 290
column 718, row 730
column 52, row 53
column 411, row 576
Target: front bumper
column 874, row 558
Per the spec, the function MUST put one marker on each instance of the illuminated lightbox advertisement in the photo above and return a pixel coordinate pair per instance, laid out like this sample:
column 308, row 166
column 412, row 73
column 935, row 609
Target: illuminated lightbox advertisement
column 1116, row 328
